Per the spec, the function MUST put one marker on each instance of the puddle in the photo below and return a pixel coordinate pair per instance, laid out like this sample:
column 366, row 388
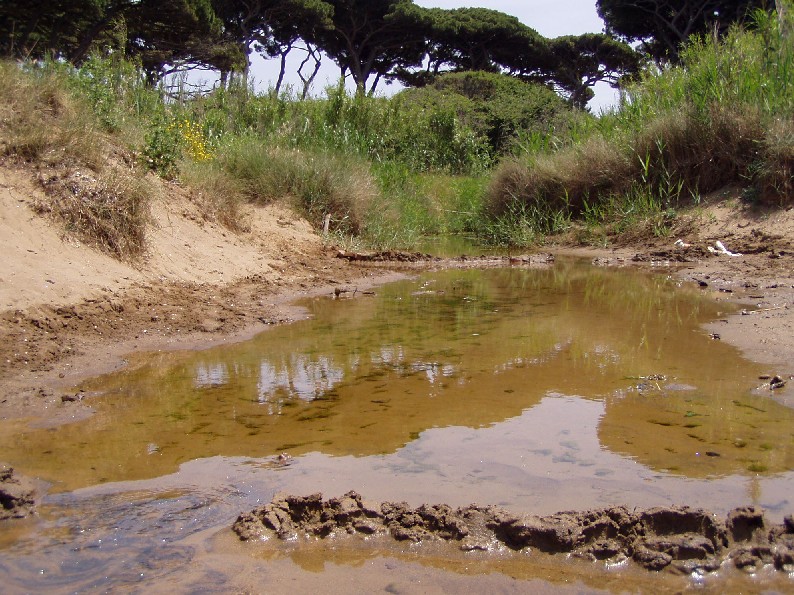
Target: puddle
column 539, row 391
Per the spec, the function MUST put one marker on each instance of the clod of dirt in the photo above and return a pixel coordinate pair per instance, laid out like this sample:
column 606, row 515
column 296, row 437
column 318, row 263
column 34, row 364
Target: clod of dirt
column 17, row 496
column 682, row 539
column 384, row 256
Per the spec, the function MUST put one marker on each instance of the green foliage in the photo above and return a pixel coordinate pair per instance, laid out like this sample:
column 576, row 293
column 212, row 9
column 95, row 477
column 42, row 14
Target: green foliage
column 116, row 89
column 521, row 225
column 482, row 39
column 155, row 32
column 320, row 184
column 163, row 148
column 580, row 61
column 31, row 30
column 371, row 37
column 664, row 26
column 411, row 206
column 496, row 107
column 374, row 128
column 725, row 116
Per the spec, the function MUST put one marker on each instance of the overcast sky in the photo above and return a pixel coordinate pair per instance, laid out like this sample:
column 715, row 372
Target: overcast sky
column 550, row 18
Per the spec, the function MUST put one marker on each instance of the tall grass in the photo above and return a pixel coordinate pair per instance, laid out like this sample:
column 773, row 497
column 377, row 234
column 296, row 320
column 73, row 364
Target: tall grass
column 374, row 128
column 41, row 120
column 99, row 199
column 724, row 117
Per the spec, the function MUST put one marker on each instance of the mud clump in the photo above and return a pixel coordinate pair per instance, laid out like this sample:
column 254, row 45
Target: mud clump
column 17, row 496
column 385, row 256
column 680, row 539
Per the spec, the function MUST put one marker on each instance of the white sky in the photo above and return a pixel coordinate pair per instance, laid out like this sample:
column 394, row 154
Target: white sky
column 550, row 18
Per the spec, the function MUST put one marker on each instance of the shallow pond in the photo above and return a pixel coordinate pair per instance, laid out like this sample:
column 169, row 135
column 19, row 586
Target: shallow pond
column 570, row 387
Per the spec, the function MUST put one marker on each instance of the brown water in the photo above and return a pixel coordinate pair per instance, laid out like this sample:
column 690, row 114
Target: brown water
column 567, row 388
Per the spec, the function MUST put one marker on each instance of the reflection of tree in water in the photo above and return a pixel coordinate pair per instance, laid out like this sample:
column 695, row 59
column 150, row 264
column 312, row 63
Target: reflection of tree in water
column 310, row 377
column 297, row 376
column 208, row 375
column 367, row 376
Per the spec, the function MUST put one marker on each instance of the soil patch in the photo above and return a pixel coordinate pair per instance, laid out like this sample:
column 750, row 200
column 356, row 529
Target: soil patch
column 18, row 496
column 680, row 539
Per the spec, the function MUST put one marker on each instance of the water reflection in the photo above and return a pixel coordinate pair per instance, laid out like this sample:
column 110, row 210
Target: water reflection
column 302, row 377
column 455, row 349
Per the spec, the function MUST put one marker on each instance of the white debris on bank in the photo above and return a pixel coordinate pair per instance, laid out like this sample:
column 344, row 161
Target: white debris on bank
column 721, row 249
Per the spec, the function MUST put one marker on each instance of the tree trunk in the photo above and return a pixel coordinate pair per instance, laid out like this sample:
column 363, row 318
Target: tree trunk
column 113, row 11
column 282, row 69
column 374, row 84
column 307, row 81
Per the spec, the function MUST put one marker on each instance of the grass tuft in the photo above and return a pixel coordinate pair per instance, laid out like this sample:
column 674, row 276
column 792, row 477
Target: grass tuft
column 321, row 185
column 109, row 210
column 775, row 174
column 40, row 121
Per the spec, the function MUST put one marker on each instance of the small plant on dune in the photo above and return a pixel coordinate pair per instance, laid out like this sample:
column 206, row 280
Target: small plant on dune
column 163, row 149
column 168, row 141
column 192, row 139
column 218, row 194
column 109, row 209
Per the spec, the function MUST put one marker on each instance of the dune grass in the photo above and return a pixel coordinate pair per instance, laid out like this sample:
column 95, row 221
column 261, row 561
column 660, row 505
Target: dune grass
column 87, row 188
column 724, row 117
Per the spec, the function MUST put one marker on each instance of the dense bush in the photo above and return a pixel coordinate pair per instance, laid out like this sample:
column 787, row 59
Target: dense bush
column 502, row 109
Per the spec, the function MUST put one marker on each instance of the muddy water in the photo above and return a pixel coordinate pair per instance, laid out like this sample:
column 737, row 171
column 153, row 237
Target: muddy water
column 544, row 390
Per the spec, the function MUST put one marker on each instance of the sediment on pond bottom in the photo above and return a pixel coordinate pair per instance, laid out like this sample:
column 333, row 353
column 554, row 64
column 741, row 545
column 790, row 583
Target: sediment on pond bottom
column 681, row 539
column 17, row 494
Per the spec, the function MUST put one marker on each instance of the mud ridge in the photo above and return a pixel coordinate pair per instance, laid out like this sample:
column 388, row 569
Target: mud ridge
column 678, row 539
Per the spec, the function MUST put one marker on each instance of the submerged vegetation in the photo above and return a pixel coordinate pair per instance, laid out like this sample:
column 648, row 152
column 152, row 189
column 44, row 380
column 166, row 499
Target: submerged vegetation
column 471, row 152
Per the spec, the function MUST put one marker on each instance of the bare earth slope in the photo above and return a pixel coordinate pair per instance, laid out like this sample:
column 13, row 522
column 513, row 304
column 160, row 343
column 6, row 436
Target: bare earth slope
column 40, row 266
column 67, row 310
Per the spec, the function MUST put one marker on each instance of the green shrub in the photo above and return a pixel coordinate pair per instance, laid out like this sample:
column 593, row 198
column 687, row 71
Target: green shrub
column 320, row 184
column 498, row 108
